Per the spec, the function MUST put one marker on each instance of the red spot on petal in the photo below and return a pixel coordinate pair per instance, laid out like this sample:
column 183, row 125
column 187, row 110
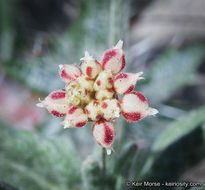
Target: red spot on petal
column 89, row 71
column 132, row 116
column 57, row 114
column 110, row 80
column 98, row 82
column 72, row 110
column 121, row 76
column 107, row 56
column 131, row 87
column 121, row 101
column 81, row 124
column 104, row 105
column 108, row 134
column 139, row 95
column 57, row 95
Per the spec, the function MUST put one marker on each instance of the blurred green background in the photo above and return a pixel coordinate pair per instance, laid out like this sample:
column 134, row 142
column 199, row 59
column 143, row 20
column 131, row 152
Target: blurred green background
column 163, row 38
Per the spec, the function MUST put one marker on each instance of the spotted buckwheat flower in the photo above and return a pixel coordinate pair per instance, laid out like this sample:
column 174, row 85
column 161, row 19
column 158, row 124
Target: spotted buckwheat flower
column 91, row 95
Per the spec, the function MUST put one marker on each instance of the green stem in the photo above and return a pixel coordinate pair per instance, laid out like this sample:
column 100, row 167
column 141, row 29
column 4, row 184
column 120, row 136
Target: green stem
column 103, row 162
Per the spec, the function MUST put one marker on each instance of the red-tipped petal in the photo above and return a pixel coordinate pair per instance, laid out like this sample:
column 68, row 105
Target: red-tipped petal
column 113, row 59
column 55, row 103
column 104, row 133
column 134, row 107
column 69, row 73
column 125, row 82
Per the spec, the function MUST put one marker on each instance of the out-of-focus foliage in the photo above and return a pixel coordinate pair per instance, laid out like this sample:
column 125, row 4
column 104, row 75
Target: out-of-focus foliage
column 173, row 70
column 35, row 162
column 40, row 72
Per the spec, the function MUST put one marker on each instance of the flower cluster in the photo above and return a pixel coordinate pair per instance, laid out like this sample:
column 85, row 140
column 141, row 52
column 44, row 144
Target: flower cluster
column 91, row 94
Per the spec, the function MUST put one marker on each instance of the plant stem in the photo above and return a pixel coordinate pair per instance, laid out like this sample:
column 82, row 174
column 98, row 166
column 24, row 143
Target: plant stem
column 103, row 162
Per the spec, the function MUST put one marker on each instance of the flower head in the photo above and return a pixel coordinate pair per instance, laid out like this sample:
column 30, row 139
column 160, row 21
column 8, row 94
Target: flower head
column 91, row 95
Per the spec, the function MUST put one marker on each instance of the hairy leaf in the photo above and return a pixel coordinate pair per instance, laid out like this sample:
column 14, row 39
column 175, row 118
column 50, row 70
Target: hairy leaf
column 35, row 162
column 179, row 128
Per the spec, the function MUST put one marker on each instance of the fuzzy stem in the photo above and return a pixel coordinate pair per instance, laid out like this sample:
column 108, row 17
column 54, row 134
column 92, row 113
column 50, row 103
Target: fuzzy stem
column 103, row 162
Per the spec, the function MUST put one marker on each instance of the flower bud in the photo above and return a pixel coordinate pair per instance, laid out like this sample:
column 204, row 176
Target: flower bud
column 104, row 133
column 110, row 109
column 86, row 83
column 75, row 118
column 125, row 82
column 90, row 67
column 103, row 81
column 134, row 107
column 93, row 110
column 55, row 103
column 104, row 94
column 69, row 73
column 86, row 97
column 113, row 59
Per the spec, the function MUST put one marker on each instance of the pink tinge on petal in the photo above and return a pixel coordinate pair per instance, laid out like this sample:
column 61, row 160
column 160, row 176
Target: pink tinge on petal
column 121, row 76
column 123, row 62
column 80, row 124
column 125, row 82
column 57, row 95
column 107, row 56
column 69, row 72
column 140, row 96
column 108, row 134
column 134, row 107
column 76, row 117
column 57, row 114
column 113, row 59
column 130, row 88
column 65, row 75
column 89, row 71
column 132, row 116
column 72, row 110
column 55, row 103
column 104, row 105
column 104, row 133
